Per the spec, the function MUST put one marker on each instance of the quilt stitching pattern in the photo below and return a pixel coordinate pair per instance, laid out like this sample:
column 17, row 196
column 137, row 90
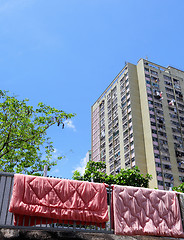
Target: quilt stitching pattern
column 59, row 199
column 146, row 211
column 161, row 210
column 55, row 189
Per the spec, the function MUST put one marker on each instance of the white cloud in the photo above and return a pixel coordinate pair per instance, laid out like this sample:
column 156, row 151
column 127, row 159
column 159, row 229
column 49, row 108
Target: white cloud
column 81, row 167
column 69, row 124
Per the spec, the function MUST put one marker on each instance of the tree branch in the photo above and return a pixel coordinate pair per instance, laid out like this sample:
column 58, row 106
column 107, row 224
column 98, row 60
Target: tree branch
column 26, row 140
column 6, row 142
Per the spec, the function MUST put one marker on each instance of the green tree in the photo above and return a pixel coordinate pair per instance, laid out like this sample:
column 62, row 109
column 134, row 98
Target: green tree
column 130, row 177
column 77, row 175
column 24, row 145
column 94, row 171
column 180, row 188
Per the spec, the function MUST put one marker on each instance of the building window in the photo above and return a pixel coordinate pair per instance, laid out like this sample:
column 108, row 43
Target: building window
column 157, row 155
column 176, row 81
column 167, row 184
column 168, row 176
column 170, row 95
column 181, row 178
column 155, row 147
column 155, row 139
column 173, row 115
column 168, row 167
column 126, row 140
column 157, row 164
column 146, row 69
column 111, row 167
column 147, row 76
column 159, row 174
column 154, row 72
column 158, row 104
column 168, row 83
column 160, row 183
column 153, row 124
column 167, row 77
column 155, row 85
column 152, row 116
column 125, row 126
column 163, row 134
column 169, row 90
column 151, row 109
column 110, row 139
column 149, row 95
column 163, row 142
column 165, row 158
column 181, row 169
column 154, row 131
column 175, row 123
column 159, row 112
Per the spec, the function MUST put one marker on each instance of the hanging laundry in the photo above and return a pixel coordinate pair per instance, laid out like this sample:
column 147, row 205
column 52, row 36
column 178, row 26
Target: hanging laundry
column 158, row 95
column 142, row 211
column 161, row 96
column 157, row 80
column 57, row 200
column 172, row 102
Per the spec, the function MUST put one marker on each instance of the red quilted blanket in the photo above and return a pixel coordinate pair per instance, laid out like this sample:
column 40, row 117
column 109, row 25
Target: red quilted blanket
column 57, row 200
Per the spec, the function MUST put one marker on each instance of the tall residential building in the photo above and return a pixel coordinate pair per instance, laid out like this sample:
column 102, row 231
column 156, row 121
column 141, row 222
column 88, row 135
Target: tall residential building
column 139, row 121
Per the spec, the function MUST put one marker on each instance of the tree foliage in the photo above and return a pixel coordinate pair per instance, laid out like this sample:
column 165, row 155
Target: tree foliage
column 180, row 188
column 95, row 171
column 24, row 145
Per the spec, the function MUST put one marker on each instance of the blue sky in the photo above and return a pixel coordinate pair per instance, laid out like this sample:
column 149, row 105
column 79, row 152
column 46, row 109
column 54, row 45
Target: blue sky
column 66, row 52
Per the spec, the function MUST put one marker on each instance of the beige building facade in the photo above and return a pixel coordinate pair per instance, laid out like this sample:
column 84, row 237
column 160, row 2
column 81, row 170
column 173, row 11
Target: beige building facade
column 139, row 121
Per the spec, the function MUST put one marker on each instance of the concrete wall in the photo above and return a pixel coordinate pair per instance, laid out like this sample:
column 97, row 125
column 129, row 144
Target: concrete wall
column 146, row 125
column 42, row 235
column 139, row 147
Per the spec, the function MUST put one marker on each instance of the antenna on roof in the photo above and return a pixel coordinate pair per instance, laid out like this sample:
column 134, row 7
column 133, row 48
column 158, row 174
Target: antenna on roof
column 146, row 57
column 125, row 62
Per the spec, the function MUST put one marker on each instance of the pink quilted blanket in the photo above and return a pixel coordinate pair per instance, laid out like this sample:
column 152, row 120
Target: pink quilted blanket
column 141, row 211
column 58, row 199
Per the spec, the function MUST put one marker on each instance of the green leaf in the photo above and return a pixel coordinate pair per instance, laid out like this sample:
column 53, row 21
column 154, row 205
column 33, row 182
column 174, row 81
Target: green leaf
column 95, row 171
column 24, row 144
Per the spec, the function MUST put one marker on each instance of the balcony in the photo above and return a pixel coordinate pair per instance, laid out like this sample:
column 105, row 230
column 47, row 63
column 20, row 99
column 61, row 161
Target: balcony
column 159, row 178
column 156, row 151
